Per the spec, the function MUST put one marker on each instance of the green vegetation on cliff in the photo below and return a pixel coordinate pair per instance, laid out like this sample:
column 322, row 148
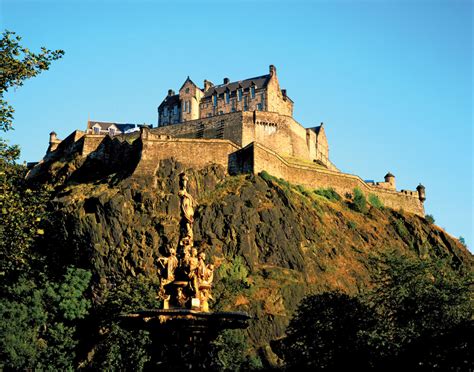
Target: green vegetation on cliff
column 273, row 243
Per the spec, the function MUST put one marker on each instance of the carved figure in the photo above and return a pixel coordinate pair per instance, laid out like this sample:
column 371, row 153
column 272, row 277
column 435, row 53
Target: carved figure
column 169, row 264
column 187, row 207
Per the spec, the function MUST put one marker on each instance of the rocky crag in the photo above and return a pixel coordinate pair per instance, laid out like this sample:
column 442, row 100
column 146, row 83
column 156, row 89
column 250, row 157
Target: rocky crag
column 272, row 242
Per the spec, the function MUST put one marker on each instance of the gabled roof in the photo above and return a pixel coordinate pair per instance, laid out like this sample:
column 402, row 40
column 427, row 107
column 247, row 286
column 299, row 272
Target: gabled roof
column 188, row 79
column 170, row 101
column 259, row 82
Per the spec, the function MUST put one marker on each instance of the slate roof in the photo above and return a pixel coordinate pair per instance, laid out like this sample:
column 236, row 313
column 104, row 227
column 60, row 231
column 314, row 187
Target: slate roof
column 106, row 125
column 170, row 101
column 317, row 129
column 259, row 81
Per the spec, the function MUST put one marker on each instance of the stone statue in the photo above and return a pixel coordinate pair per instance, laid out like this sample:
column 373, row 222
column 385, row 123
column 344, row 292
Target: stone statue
column 169, row 264
column 186, row 279
column 187, row 207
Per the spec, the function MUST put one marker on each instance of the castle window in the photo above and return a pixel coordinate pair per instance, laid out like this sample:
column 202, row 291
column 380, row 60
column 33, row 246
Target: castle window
column 215, row 99
column 189, row 106
column 227, row 97
column 239, row 94
column 175, row 110
column 259, row 107
column 246, row 106
column 252, row 92
column 233, row 105
column 165, row 111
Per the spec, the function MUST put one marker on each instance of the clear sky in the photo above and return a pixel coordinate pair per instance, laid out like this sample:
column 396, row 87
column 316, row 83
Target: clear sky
column 391, row 80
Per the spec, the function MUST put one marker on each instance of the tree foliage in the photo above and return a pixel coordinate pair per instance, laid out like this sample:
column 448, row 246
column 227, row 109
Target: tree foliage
column 17, row 64
column 417, row 317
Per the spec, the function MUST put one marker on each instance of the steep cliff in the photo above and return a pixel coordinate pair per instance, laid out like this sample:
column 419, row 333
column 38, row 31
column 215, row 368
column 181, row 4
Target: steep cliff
column 272, row 242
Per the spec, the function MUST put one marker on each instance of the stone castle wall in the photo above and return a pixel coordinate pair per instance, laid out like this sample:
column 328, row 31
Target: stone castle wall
column 259, row 158
column 195, row 153
column 279, row 132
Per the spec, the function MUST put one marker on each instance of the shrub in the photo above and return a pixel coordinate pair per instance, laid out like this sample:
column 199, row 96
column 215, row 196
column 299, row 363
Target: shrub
column 329, row 194
column 400, row 228
column 375, row 202
column 430, row 219
column 359, row 204
column 352, row 225
column 266, row 176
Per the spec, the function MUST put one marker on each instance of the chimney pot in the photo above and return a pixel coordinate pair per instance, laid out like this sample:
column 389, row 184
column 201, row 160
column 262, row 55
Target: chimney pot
column 170, row 92
column 272, row 69
column 226, row 80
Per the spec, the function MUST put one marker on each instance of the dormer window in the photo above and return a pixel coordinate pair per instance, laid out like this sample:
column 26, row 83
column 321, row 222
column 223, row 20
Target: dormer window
column 112, row 131
column 252, row 91
column 96, row 130
column 239, row 94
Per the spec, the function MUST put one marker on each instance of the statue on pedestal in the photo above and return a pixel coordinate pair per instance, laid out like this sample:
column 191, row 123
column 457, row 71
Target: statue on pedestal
column 186, row 278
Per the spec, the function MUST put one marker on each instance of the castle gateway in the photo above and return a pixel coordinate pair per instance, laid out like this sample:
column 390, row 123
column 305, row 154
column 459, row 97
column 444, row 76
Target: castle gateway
column 245, row 126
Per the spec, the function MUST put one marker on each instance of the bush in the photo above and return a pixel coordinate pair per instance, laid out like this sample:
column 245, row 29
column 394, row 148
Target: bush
column 329, row 194
column 266, row 176
column 430, row 219
column 375, row 202
column 359, row 204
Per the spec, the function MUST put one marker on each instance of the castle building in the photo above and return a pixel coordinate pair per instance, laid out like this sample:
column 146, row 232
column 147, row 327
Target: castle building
column 261, row 93
column 246, row 126
column 243, row 111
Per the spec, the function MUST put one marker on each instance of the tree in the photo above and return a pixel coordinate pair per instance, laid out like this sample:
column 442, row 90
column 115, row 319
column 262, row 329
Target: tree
column 418, row 316
column 17, row 64
column 421, row 304
column 329, row 332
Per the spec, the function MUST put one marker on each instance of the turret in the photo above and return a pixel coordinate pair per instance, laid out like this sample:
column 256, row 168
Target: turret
column 52, row 137
column 53, row 141
column 421, row 192
column 390, row 179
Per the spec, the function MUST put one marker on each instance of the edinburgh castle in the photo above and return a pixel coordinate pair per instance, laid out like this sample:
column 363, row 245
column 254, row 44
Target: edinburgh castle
column 247, row 126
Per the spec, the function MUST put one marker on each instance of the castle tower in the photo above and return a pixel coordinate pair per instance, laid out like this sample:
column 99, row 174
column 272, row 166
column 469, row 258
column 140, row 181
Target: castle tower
column 190, row 98
column 421, row 192
column 390, row 179
column 53, row 141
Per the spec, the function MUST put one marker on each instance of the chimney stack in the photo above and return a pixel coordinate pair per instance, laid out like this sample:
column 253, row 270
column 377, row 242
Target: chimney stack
column 273, row 70
column 283, row 91
column 207, row 85
column 170, row 92
column 226, row 81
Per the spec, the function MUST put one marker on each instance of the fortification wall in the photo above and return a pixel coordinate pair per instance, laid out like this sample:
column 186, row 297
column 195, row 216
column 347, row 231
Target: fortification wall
column 313, row 177
column 227, row 126
column 192, row 152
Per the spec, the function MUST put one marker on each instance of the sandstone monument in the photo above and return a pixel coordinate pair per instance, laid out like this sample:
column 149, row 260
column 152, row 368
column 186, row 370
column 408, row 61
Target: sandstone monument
column 246, row 126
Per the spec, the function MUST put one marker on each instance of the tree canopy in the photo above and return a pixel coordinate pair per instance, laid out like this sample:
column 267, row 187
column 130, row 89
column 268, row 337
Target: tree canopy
column 17, row 64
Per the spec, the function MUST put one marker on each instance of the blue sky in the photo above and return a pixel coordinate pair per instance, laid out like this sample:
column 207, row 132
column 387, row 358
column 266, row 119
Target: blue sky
column 391, row 80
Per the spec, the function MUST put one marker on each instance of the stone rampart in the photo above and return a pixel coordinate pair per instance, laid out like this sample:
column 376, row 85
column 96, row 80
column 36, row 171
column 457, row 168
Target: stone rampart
column 226, row 126
column 191, row 152
column 263, row 158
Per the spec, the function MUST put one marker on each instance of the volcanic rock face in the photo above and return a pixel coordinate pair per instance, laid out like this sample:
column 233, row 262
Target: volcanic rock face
column 272, row 243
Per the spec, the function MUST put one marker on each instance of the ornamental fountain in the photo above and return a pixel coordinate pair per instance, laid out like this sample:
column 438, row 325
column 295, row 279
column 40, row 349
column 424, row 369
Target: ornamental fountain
column 182, row 330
